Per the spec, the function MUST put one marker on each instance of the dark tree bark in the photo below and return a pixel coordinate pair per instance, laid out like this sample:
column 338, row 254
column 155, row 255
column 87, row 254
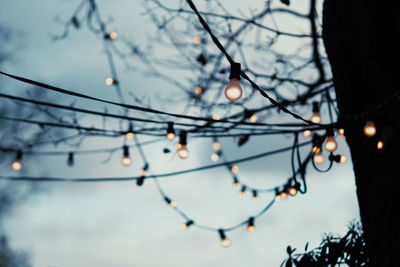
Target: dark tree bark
column 361, row 40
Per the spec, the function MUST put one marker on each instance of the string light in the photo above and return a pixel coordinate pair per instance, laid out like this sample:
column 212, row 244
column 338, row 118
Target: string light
column 316, row 117
column 126, row 159
column 170, row 202
column 338, row 158
column 330, row 144
column 216, row 117
column 225, row 242
column 255, row 196
column 370, row 129
column 70, row 160
column 216, row 145
column 183, row 152
column 235, row 168
column 253, row 118
column 143, row 172
column 215, row 156
column 233, row 91
column 130, row 134
column 111, row 36
column 250, row 225
column 242, row 192
column 170, row 131
column 341, row 132
column 197, row 40
column 294, row 189
column 198, row 90
column 186, row 225
column 318, row 158
column 380, row 145
column 110, row 81
column 277, row 195
column 284, row 195
column 307, row 133
column 17, row 164
column 236, row 183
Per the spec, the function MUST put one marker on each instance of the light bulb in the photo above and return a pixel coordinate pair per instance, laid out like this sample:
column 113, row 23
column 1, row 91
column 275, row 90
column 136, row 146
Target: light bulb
column 126, row 161
column 198, row 90
column 113, row 35
column 172, row 204
column 242, row 192
column 197, row 40
column 330, row 144
column 318, row 158
column 216, row 117
column 316, row 117
column 186, row 225
column 255, row 196
column 233, row 91
column 16, row 165
column 316, row 149
column 284, row 195
column 178, row 145
column 170, row 136
column 214, row 157
column 342, row 159
column 250, row 225
column 183, row 152
column 253, row 118
column 341, row 132
column 216, row 145
column 142, row 172
column 278, row 198
column 307, row 133
column 170, row 131
column 379, row 145
column 109, row 81
column 226, row 242
column 292, row 191
column 236, row 183
column 235, row 169
column 130, row 135
column 370, row 129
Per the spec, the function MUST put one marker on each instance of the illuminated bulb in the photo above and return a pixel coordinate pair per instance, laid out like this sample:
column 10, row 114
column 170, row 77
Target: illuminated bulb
column 186, row 225
column 183, row 152
column 284, row 195
column 214, row 157
column 318, row 158
column 197, row 40
column 235, row 169
column 225, row 242
column 16, row 165
column 379, row 145
column 178, row 145
column 216, row 117
column 236, row 183
column 142, row 172
column 233, row 91
column 369, row 128
column 198, row 90
column 316, row 117
column 250, row 225
column 170, row 131
column 170, row 202
column 307, row 133
column 130, row 135
column 113, row 35
column 109, row 81
column 316, row 149
column 216, row 145
column 242, row 192
column 342, row 159
column 330, row 144
column 341, row 132
column 253, row 118
column 126, row 161
column 255, row 196
column 292, row 191
column 278, row 198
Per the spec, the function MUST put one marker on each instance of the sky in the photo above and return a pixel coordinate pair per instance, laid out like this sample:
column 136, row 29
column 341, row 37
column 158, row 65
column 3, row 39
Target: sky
column 120, row 224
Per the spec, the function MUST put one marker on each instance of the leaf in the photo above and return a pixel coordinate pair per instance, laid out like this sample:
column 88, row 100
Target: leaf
column 243, row 140
column 286, row 2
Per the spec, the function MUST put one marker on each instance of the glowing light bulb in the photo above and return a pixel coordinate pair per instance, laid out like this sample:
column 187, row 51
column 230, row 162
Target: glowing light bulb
column 172, row 204
column 113, row 35
column 178, row 145
column 130, row 135
column 342, row 159
column 186, row 225
column 16, row 165
column 142, row 172
column 126, row 161
column 214, row 157
column 235, row 168
column 284, row 195
column 380, row 145
column 316, row 117
column 253, row 118
column 216, row 117
column 196, row 40
column 170, row 131
column 307, row 133
column 183, row 152
column 255, row 196
column 330, row 144
column 216, row 145
column 292, row 191
column 242, row 192
column 278, row 198
column 341, row 132
column 225, row 242
column 198, row 90
column 233, row 91
column 318, row 158
column 316, row 149
column 236, row 183
column 370, row 129
column 250, row 225
column 109, row 81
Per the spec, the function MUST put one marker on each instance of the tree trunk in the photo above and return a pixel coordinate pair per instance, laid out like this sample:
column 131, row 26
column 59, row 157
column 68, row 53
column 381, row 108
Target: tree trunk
column 359, row 37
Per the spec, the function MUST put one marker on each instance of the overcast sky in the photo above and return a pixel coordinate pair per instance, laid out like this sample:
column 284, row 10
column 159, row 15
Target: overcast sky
column 118, row 224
